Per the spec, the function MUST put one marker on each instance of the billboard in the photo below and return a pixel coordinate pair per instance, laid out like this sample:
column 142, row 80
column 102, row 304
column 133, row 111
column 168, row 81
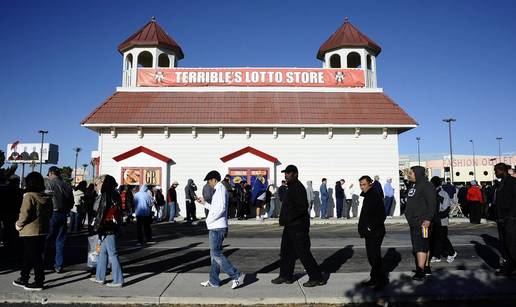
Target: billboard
column 141, row 175
column 30, row 152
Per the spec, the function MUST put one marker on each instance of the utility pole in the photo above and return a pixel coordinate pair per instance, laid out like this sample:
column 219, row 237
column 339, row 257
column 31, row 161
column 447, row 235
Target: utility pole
column 43, row 132
column 450, row 121
column 474, row 161
column 418, row 151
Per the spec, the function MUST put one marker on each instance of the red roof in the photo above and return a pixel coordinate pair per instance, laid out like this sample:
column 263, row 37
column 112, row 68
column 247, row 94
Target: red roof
column 251, row 150
column 151, row 35
column 347, row 36
column 248, row 108
column 141, row 149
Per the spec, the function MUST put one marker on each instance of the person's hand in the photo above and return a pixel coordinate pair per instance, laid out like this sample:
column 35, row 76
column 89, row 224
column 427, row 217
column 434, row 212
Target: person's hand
column 425, row 224
column 18, row 227
column 200, row 200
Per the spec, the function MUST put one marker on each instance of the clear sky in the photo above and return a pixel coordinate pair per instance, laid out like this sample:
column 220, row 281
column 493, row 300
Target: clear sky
column 439, row 59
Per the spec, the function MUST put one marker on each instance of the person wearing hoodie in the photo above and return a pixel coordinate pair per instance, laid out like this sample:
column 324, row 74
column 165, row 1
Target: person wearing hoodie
column 33, row 225
column 339, row 196
column 309, row 195
column 217, row 224
column 475, row 201
column 190, row 197
column 325, row 198
column 258, row 194
column 419, row 212
column 142, row 205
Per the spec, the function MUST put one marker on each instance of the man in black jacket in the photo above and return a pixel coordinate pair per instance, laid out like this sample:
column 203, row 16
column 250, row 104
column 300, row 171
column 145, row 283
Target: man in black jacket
column 339, row 196
column 371, row 227
column 505, row 205
column 295, row 242
column 421, row 205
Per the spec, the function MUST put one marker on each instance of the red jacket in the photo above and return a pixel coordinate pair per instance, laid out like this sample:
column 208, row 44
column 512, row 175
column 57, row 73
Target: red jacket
column 474, row 194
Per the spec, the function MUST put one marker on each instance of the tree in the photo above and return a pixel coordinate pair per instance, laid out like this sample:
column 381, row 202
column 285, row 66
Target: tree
column 66, row 173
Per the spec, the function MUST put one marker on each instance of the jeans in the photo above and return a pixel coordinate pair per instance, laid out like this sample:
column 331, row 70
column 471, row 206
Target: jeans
column 171, row 211
column 57, row 236
column 324, row 207
column 272, row 208
column 75, row 221
column 33, row 259
column 108, row 249
column 388, row 205
column 218, row 260
column 340, row 207
column 143, row 226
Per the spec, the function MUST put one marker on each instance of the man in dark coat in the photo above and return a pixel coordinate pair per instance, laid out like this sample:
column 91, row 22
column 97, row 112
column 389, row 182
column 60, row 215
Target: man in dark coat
column 295, row 242
column 339, row 196
column 506, row 217
column 371, row 227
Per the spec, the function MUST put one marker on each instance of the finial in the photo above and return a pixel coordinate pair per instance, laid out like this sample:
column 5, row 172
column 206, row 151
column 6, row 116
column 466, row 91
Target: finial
column 153, row 18
column 346, row 19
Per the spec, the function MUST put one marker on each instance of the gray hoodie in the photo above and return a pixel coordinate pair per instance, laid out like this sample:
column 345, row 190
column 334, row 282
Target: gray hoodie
column 421, row 199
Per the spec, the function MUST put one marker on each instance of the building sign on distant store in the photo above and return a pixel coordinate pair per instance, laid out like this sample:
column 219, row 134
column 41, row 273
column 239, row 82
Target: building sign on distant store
column 141, row 175
column 30, row 152
column 296, row 77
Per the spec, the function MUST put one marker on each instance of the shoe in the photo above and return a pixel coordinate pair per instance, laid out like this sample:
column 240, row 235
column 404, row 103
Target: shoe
column 381, row 284
column 428, row 270
column 282, row 280
column 435, row 259
column 238, row 282
column 208, row 284
column 95, row 280
column 19, row 283
column 139, row 244
column 505, row 271
column 313, row 283
column 58, row 270
column 368, row 283
column 34, row 286
column 419, row 275
column 113, row 285
column 265, row 216
column 151, row 242
column 450, row 259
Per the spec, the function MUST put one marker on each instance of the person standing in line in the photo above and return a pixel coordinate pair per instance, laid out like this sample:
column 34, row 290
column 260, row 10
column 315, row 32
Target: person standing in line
column 207, row 194
column 348, row 200
column 62, row 198
column 271, row 200
column 129, row 203
column 282, row 192
column 505, row 204
column 355, row 199
column 160, row 203
column 240, row 197
column 325, row 199
column 389, row 197
column 339, row 197
column 258, row 195
column 420, row 210
column 475, row 201
column 295, row 241
column 190, row 197
column 371, row 227
column 143, row 203
column 310, row 195
column 172, row 201
column 377, row 186
column 79, row 209
column 33, row 225
column 439, row 242
column 217, row 224
column 449, row 188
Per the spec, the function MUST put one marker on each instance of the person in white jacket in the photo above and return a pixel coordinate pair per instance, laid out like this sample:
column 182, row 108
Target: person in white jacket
column 217, row 224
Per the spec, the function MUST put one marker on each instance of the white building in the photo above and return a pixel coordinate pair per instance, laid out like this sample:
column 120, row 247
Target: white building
column 167, row 123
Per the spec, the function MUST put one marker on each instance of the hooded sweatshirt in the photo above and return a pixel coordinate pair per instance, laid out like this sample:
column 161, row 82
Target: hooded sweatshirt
column 421, row 200
column 190, row 189
column 143, row 202
column 35, row 213
column 309, row 191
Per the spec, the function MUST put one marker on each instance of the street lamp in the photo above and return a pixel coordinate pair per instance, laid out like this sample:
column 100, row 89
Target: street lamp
column 499, row 148
column 84, row 166
column 449, row 121
column 43, row 132
column 418, row 151
column 474, row 161
column 77, row 150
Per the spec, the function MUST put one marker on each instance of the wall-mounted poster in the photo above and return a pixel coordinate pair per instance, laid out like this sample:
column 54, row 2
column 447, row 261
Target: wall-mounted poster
column 141, row 175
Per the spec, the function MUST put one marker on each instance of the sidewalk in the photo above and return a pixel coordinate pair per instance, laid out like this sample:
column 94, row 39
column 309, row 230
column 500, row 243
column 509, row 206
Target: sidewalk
column 335, row 221
column 183, row 288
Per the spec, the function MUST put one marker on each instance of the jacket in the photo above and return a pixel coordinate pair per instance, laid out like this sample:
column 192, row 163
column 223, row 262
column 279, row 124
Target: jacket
column 294, row 209
column 421, row 200
column 309, row 192
column 207, row 192
column 218, row 213
column 339, row 191
column 172, row 195
column 377, row 187
column 443, row 206
column 78, row 199
column 143, row 202
column 474, row 194
column 62, row 196
column 258, row 189
column 190, row 191
column 372, row 215
column 108, row 200
column 506, row 199
column 324, row 192
column 35, row 213
column 282, row 192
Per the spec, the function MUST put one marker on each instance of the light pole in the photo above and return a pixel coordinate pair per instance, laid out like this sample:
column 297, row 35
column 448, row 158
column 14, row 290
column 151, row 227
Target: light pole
column 84, row 166
column 418, row 151
column 449, row 121
column 474, row 161
column 500, row 148
column 43, row 132
column 77, row 150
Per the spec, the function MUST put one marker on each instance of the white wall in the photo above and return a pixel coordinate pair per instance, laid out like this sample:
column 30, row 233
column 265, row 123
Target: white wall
column 316, row 155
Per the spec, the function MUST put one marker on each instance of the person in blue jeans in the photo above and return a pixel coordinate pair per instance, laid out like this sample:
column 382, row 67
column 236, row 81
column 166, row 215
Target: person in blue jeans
column 388, row 191
column 172, row 201
column 107, row 223
column 217, row 224
column 325, row 199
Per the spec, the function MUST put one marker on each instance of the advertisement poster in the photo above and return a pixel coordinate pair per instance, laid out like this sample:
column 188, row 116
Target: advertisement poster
column 141, row 175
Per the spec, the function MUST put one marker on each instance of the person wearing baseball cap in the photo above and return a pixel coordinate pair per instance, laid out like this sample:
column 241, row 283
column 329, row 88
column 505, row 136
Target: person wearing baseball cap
column 217, row 224
column 172, row 201
column 295, row 241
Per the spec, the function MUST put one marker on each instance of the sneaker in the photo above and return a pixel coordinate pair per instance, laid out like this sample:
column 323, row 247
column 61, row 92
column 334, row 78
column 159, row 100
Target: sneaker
column 33, row 286
column 208, row 284
column 113, row 285
column 265, row 216
column 419, row 275
column 58, row 270
column 139, row 244
column 94, row 279
column 450, row 259
column 435, row 259
column 19, row 283
column 282, row 280
column 428, row 270
column 238, row 282
column 368, row 283
column 313, row 283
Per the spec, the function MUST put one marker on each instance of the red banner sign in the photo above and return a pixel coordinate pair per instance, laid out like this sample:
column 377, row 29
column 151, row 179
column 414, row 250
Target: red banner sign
column 296, row 77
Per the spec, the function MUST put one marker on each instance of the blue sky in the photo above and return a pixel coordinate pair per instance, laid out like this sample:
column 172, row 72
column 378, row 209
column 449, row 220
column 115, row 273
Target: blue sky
column 439, row 59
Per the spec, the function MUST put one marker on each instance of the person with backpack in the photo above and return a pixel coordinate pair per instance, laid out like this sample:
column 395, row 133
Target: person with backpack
column 106, row 225
column 62, row 198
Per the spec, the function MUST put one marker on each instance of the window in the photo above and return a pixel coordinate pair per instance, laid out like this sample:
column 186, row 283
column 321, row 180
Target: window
column 354, row 60
column 457, row 174
column 145, row 59
column 369, row 63
column 129, row 61
column 335, row 61
column 163, row 60
column 486, row 173
column 471, row 173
